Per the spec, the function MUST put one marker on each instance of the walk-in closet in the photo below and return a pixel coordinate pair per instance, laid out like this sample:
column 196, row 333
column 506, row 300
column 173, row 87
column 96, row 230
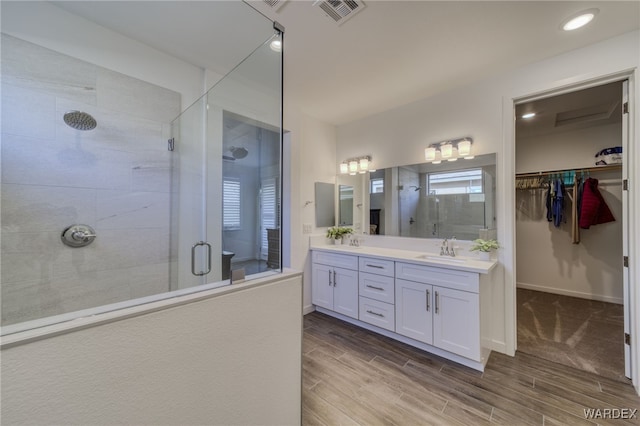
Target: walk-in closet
column 570, row 227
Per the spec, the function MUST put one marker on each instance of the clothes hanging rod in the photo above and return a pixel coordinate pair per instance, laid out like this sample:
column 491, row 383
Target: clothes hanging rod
column 577, row 170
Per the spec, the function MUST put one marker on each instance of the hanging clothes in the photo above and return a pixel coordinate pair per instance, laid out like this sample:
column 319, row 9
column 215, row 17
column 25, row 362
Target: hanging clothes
column 549, row 202
column 594, row 209
column 558, row 203
column 575, row 227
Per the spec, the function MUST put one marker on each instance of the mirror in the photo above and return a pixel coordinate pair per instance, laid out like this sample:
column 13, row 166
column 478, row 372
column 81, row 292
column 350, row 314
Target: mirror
column 325, row 204
column 434, row 201
column 345, row 205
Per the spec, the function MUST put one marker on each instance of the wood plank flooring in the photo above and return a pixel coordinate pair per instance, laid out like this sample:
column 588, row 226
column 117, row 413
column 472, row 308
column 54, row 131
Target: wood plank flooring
column 355, row 377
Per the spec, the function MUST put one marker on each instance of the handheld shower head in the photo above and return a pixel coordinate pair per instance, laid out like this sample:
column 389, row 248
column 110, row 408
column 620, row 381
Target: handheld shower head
column 417, row 188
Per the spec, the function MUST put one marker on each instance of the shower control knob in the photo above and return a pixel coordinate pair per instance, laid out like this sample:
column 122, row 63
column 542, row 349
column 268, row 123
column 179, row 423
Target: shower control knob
column 78, row 235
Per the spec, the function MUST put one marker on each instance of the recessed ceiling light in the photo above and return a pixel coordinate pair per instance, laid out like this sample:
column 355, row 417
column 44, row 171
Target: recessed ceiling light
column 529, row 115
column 276, row 45
column 579, row 20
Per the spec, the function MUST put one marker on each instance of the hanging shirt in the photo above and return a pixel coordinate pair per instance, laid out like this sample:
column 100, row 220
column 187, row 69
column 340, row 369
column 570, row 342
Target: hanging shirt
column 549, row 203
column 594, row 210
column 558, row 203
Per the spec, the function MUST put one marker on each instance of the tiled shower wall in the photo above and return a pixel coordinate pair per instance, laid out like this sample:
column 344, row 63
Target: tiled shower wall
column 115, row 178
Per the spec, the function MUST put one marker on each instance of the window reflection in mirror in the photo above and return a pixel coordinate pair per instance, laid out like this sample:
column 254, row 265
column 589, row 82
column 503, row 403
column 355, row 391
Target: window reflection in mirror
column 434, row 201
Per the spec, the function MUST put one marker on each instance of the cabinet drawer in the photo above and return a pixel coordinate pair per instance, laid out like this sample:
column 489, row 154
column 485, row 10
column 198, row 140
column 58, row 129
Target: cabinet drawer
column 334, row 259
column 376, row 287
column 377, row 313
column 450, row 278
column 377, row 266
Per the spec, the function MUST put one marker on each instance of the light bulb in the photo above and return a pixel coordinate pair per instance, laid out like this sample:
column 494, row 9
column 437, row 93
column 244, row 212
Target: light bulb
column 464, row 148
column 364, row 164
column 430, row 153
column 446, row 150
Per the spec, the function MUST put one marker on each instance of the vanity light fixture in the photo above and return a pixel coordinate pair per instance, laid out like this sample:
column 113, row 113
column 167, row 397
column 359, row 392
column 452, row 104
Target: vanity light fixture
column 579, row 20
column 356, row 165
column 364, row 165
column 449, row 150
column 353, row 167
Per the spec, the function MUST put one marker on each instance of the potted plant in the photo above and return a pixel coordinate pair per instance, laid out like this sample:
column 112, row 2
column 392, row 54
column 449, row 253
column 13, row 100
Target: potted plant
column 337, row 233
column 485, row 247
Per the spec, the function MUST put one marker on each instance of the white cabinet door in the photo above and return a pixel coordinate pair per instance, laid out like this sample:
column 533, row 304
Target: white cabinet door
column 414, row 306
column 345, row 292
column 456, row 322
column 322, row 286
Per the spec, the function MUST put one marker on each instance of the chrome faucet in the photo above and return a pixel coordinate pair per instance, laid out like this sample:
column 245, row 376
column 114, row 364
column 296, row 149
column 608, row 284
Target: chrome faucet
column 448, row 247
column 444, row 248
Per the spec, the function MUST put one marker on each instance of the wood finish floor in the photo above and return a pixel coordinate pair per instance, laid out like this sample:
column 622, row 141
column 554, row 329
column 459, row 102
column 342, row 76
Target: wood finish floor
column 354, row 377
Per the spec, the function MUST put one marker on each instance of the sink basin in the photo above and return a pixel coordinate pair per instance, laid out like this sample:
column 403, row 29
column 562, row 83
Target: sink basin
column 442, row 258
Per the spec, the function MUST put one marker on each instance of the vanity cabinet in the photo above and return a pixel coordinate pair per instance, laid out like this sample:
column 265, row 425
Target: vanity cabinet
column 376, row 290
column 431, row 309
column 414, row 307
column 334, row 284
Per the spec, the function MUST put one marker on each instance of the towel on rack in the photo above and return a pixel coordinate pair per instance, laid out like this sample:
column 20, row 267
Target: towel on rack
column 594, row 209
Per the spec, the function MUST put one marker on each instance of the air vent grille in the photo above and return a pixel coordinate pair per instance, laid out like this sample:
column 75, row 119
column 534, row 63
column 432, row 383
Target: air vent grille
column 339, row 10
column 274, row 4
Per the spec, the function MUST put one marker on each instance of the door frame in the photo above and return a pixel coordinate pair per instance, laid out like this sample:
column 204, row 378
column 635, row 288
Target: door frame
column 507, row 163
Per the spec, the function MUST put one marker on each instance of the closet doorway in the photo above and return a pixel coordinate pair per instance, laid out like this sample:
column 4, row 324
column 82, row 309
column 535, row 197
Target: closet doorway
column 572, row 295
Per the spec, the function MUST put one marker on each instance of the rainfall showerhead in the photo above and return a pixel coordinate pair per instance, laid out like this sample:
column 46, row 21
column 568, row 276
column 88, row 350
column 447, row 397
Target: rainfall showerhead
column 238, row 152
column 80, row 120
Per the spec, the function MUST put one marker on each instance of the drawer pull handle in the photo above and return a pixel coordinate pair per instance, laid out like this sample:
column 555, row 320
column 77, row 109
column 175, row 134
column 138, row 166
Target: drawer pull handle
column 375, row 288
column 428, row 297
column 375, row 266
column 376, row 314
column 437, row 299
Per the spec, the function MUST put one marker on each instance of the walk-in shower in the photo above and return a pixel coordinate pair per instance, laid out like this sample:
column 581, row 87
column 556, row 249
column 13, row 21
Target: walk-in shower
column 113, row 192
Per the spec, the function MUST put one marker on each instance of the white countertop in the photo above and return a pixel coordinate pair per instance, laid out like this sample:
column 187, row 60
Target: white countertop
column 460, row 263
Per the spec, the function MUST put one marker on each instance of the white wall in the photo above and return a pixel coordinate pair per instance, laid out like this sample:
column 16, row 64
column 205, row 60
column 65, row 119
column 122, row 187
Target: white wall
column 233, row 358
column 47, row 25
column 547, row 259
column 114, row 178
column 313, row 159
column 477, row 110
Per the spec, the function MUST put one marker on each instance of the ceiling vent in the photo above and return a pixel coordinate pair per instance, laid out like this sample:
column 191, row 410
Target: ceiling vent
column 339, row 11
column 274, row 4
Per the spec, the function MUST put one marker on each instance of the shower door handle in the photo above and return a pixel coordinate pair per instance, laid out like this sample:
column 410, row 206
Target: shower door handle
column 193, row 258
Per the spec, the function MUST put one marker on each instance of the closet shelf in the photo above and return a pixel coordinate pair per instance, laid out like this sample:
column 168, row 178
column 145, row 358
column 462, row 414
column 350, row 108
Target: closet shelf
column 577, row 170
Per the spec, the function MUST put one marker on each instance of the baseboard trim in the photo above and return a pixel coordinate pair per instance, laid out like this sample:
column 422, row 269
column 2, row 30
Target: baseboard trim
column 308, row 309
column 563, row 292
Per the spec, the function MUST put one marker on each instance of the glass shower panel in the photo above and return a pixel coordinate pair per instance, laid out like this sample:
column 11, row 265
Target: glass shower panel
column 229, row 154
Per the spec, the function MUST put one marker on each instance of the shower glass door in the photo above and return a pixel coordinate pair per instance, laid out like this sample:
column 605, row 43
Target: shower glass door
column 226, row 174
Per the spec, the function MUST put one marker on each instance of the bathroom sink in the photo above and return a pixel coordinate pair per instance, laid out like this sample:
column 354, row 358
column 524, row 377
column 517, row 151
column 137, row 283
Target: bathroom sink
column 442, row 258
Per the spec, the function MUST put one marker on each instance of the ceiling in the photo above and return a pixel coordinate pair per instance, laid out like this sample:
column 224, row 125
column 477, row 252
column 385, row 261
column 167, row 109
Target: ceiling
column 389, row 54
column 595, row 106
